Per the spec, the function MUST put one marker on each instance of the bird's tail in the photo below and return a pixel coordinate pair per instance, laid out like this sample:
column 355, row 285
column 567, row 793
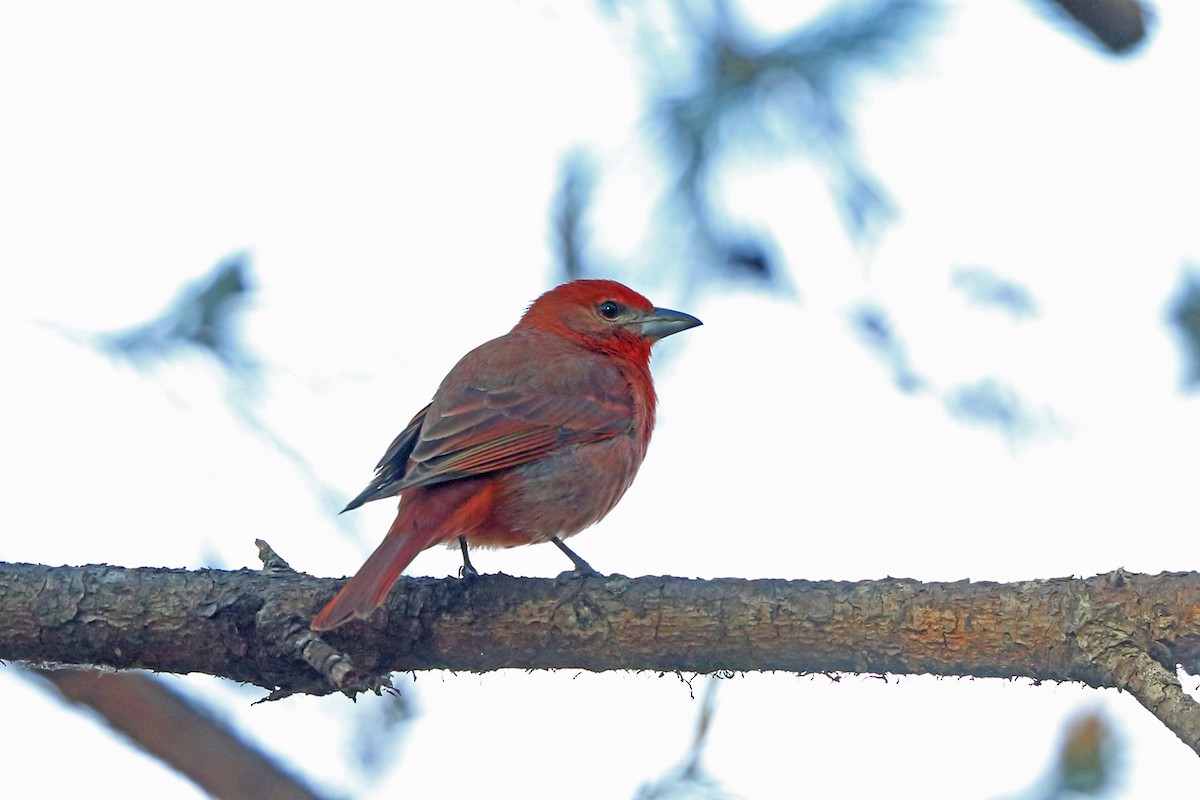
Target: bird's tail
column 367, row 590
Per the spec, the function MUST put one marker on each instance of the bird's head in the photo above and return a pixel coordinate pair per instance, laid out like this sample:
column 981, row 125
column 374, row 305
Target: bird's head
column 604, row 315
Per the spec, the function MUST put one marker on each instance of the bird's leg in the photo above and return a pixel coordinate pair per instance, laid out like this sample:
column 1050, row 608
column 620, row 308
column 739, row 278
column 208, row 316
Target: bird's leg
column 466, row 570
column 582, row 568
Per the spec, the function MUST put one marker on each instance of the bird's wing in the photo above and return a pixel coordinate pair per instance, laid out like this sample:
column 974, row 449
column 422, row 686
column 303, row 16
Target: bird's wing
column 508, row 402
column 390, row 469
column 484, row 429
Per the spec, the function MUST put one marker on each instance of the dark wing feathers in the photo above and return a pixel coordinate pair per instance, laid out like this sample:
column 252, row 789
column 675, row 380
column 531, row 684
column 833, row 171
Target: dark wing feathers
column 390, row 469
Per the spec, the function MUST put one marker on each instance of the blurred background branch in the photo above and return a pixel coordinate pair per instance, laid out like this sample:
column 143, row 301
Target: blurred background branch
column 718, row 91
column 177, row 731
column 690, row 780
column 1118, row 25
column 206, row 316
column 1183, row 315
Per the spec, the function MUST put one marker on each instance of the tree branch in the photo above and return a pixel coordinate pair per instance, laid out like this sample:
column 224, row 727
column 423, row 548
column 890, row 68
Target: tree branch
column 1119, row 630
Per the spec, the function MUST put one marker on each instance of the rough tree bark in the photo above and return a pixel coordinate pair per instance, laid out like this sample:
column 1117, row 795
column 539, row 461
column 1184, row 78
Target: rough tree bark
column 1116, row 630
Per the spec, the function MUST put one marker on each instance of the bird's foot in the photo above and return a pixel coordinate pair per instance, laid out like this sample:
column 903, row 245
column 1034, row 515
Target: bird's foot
column 577, row 574
column 582, row 568
column 585, row 570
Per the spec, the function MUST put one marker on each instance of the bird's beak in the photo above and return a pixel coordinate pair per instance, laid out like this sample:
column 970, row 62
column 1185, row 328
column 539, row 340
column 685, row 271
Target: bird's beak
column 662, row 322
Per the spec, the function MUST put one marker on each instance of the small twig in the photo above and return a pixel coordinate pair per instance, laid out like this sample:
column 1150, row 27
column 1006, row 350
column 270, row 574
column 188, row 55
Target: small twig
column 272, row 561
column 334, row 666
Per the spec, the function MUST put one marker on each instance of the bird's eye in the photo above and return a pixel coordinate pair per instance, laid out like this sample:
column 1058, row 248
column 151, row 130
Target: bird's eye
column 609, row 310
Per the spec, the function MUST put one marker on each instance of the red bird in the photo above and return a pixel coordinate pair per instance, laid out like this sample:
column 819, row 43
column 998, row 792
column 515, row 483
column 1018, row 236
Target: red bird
column 532, row 437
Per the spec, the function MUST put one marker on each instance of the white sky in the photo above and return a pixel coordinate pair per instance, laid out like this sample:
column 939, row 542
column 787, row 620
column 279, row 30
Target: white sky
column 391, row 172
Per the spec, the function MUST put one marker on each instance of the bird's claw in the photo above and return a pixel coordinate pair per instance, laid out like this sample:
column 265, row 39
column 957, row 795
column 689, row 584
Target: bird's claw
column 577, row 574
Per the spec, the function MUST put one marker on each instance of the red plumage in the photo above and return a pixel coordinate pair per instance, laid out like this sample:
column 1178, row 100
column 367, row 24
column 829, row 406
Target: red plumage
column 531, row 437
